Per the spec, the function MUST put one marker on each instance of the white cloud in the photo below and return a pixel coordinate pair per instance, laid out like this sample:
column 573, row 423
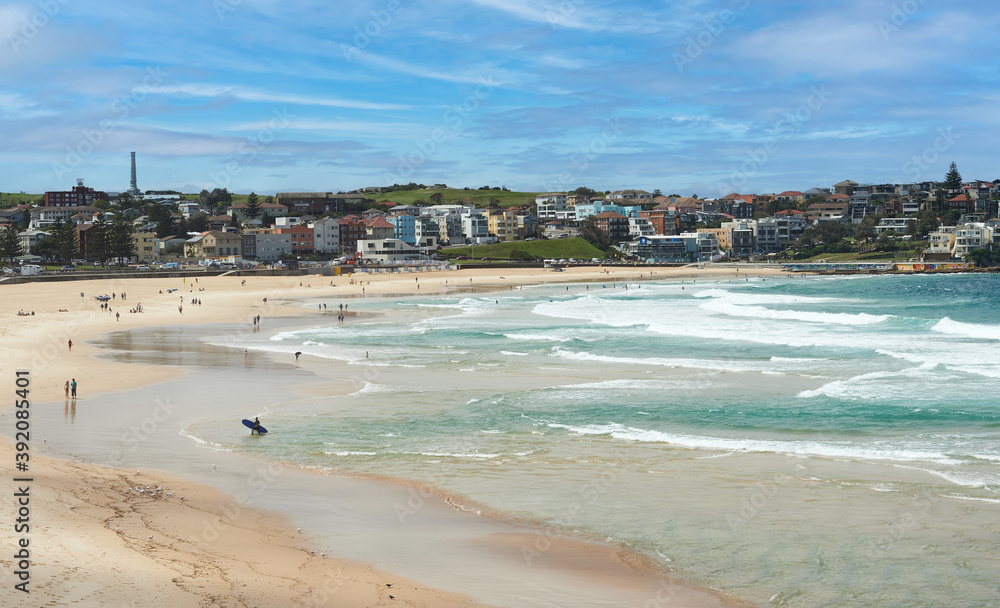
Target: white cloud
column 213, row 91
column 828, row 45
column 486, row 76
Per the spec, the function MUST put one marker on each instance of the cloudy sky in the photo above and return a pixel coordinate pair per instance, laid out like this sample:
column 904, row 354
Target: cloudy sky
column 688, row 96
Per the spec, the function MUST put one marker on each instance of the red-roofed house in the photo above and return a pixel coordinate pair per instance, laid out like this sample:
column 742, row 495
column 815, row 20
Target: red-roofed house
column 615, row 224
column 963, row 203
column 352, row 228
column 789, row 196
column 379, row 228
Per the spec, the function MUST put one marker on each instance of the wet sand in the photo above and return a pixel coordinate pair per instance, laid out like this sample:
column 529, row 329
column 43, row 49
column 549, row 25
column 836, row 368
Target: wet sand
column 137, row 425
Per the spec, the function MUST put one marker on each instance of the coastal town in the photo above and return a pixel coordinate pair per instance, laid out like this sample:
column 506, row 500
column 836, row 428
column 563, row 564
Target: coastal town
column 953, row 221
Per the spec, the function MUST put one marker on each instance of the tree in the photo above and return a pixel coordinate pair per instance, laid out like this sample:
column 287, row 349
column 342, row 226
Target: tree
column 10, row 244
column 47, row 247
column 595, row 236
column 981, row 257
column 126, row 201
column 866, row 227
column 886, row 241
column 166, row 226
column 198, row 222
column 829, row 232
column 436, row 198
column 253, row 207
column 65, row 237
column 950, row 218
column 97, row 242
column 927, row 222
column 953, row 179
column 121, row 245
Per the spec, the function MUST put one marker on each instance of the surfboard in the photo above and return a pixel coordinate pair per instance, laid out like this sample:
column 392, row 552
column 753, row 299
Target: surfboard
column 249, row 425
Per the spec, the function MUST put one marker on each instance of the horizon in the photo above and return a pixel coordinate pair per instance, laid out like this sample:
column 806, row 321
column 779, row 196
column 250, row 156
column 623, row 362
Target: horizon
column 691, row 97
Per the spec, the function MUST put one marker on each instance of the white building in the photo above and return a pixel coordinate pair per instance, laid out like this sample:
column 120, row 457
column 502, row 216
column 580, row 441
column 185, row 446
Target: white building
column 187, row 209
column 941, row 240
column 387, row 251
column 899, row 225
column 682, row 248
column 640, row 226
column 969, row 238
column 30, row 238
column 326, row 235
column 476, row 228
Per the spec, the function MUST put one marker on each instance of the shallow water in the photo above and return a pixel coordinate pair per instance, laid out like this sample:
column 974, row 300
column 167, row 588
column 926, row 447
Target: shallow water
column 799, row 442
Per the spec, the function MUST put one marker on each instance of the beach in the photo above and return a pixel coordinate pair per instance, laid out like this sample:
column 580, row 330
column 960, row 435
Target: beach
column 94, row 542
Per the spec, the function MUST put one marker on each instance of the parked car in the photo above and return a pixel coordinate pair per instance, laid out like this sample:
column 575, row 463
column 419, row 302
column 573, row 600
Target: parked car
column 67, row 268
column 143, row 267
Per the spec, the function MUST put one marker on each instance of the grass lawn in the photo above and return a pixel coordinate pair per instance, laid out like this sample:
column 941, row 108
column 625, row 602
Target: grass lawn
column 13, row 199
column 453, row 196
column 856, row 257
column 553, row 248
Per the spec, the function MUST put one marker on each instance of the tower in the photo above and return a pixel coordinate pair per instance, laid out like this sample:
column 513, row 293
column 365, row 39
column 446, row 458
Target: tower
column 133, row 189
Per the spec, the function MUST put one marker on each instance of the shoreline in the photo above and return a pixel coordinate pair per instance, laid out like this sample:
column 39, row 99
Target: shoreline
column 107, row 377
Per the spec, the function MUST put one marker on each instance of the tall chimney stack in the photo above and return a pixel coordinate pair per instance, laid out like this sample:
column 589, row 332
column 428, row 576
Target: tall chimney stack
column 133, row 188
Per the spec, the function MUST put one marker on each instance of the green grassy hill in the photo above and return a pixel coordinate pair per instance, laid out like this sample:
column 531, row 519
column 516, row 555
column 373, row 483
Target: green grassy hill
column 13, row 199
column 553, row 248
column 452, row 196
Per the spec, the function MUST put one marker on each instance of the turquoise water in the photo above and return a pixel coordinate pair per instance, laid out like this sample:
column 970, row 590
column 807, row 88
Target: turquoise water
column 818, row 441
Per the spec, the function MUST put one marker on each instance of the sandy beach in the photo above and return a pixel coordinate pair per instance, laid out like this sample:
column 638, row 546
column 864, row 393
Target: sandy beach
column 92, row 542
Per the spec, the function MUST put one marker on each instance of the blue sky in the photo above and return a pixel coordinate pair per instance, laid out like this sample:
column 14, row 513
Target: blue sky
column 689, row 96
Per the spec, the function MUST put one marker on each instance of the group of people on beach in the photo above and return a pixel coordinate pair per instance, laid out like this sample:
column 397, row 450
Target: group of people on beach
column 70, row 387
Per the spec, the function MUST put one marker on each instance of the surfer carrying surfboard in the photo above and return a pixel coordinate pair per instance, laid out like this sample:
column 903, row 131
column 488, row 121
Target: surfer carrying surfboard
column 256, row 426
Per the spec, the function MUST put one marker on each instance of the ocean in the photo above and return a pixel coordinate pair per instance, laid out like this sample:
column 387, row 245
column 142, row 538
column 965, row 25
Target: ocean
column 802, row 441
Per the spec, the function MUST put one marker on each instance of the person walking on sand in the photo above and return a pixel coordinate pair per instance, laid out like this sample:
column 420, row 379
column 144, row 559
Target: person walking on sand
column 66, row 388
column 71, row 345
column 72, row 388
